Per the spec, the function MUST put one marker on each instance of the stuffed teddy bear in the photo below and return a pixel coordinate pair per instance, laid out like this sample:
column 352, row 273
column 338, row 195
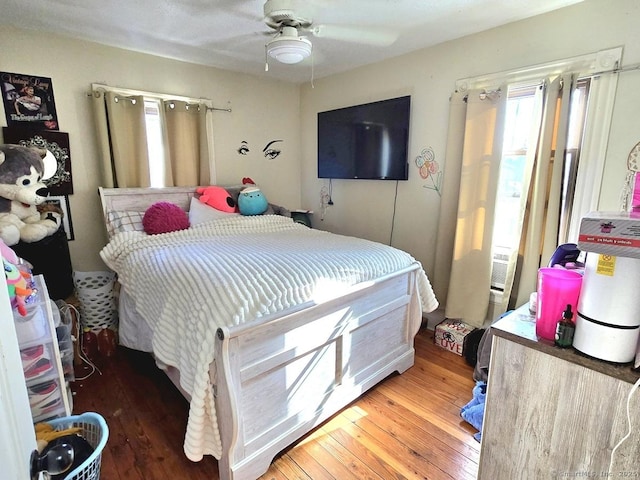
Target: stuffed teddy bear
column 21, row 189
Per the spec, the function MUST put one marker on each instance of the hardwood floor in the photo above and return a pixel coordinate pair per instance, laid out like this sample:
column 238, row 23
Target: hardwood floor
column 407, row 427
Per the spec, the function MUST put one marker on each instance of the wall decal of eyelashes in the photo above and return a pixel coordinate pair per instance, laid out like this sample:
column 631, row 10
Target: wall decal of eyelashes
column 243, row 149
column 269, row 151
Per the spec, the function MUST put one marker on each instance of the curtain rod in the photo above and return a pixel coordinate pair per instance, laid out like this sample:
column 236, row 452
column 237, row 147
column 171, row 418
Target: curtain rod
column 98, row 89
column 601, row 62
column 617, row 69
column 219, row 109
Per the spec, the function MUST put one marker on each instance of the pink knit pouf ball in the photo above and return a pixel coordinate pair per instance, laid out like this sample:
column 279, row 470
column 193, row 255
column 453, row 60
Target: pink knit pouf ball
column 164, row 217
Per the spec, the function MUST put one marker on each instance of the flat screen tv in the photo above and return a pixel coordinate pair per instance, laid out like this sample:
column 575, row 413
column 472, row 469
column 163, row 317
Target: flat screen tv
column 368, row 141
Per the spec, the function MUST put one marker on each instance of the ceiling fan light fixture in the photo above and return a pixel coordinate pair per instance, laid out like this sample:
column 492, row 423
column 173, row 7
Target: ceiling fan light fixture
column 289, row 50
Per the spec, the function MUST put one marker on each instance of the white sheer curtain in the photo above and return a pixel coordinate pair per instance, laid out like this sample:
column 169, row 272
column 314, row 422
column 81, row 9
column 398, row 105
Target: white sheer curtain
column 187, row 139
column 470, row 276
column 602, row 96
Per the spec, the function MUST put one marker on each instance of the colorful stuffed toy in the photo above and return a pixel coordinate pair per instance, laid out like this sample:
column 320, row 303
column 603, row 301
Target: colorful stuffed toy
column 21, row 189
column 252, row 204
column 20, row 284
column 19, row 290
column 251, row 201
column 45, row 433
column 218, row 198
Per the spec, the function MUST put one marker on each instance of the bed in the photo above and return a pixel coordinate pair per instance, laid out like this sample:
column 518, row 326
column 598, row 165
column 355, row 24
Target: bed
column 266, row 326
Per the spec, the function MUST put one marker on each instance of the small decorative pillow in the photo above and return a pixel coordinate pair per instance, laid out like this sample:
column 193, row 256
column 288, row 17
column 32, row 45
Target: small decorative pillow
column 164, row 217
column 124, row 221
column 200, row 213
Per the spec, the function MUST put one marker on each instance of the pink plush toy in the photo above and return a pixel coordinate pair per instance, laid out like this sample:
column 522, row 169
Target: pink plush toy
column 218, row 198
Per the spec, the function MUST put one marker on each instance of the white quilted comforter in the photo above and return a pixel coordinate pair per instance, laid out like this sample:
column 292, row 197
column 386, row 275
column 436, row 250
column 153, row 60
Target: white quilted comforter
column 186, row 284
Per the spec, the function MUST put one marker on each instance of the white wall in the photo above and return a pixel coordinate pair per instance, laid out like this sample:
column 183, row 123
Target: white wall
column 364, row 208
column 263, row 110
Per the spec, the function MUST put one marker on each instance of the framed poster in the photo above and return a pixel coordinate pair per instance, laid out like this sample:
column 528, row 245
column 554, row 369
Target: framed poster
column 29, row 100
column 57, row 143
column 62, row 202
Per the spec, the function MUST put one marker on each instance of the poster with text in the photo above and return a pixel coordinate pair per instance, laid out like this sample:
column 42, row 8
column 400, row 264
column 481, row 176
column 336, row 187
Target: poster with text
column 28, row 100
column 57, row 143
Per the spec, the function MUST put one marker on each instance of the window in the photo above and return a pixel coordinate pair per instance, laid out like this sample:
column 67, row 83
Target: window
column 572, row 155
column 518, row 123
column 520, row 115
column 155, row 145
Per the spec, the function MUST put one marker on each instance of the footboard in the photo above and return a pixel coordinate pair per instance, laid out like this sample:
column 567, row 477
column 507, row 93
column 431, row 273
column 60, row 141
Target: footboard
column 280, row 378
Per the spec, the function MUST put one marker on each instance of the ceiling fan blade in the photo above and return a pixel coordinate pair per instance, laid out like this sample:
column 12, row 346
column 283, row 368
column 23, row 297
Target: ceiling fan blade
column 371, row 36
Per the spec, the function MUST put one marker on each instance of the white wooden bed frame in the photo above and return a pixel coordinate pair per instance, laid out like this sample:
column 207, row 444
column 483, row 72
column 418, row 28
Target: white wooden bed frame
column 278, row 377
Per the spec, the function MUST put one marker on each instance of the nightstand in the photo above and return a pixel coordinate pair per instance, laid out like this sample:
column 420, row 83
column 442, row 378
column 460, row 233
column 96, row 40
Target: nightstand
column 302, row 216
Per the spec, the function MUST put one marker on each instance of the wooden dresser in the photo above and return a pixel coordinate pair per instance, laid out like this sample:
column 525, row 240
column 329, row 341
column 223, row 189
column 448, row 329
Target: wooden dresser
column 555, row 413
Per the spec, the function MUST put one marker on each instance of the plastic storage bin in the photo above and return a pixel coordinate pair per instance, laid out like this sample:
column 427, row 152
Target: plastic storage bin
column 41, row 356
column 94, row 429
column 63, row 324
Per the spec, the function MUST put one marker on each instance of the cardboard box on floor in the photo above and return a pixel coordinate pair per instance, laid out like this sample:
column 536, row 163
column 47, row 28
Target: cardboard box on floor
column 450, row 334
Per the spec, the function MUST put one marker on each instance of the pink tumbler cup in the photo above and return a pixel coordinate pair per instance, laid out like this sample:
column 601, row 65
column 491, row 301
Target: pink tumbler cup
column 557, row 288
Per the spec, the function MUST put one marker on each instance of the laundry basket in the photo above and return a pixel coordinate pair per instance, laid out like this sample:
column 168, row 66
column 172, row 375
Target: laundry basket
column 96, row 297
column 94, row 429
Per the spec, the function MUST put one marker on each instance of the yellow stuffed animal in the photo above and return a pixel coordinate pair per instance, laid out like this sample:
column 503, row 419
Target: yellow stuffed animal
column 46, row 433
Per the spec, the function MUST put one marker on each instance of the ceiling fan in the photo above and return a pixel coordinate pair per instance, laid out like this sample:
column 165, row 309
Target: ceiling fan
column 288, row 22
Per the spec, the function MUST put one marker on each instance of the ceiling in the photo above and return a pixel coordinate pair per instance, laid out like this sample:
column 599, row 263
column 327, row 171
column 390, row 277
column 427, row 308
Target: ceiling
column 229, row 34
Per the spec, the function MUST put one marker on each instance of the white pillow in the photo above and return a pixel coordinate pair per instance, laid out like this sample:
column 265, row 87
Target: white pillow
column 200, row 212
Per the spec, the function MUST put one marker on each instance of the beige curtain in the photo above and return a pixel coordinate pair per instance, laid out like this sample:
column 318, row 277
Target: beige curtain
column 120, row 122
column 470, row 276
column 186, row 144
column 187, row 138
column 450, row 192
column 540, row 210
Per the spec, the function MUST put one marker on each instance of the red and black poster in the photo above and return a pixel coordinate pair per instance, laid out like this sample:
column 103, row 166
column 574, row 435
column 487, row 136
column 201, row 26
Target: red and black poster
column 28, row 100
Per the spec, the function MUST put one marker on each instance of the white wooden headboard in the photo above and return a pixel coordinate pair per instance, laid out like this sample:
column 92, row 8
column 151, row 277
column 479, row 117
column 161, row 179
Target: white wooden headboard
column 139, row 199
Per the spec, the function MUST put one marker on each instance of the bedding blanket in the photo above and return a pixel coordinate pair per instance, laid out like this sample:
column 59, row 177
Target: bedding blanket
column 188, row 283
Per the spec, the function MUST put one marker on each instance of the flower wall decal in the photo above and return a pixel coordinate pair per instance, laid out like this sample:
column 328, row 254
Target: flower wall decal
column 429, row 169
